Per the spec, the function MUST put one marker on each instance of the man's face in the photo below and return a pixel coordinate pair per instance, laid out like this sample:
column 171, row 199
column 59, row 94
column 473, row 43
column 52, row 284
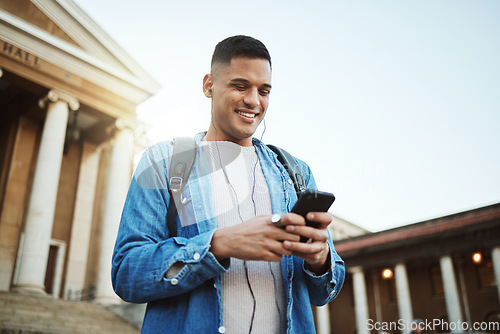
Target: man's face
column 240, row 96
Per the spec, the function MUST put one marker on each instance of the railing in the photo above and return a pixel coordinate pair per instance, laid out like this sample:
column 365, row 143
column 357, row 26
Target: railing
column 87, row 294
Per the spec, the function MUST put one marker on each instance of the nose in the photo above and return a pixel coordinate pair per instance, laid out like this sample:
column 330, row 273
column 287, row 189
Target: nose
column 251, row 98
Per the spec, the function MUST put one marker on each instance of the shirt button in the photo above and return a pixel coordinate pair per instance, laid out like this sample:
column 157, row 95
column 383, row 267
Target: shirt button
column 222, row 329
column 289, row 181
column 174, row 281
column 196, row 256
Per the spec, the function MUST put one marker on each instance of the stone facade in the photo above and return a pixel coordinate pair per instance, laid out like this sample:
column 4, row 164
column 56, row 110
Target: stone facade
column 68, row 95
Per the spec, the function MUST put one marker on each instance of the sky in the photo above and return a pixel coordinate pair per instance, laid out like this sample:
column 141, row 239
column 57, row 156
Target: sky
column 395, row 105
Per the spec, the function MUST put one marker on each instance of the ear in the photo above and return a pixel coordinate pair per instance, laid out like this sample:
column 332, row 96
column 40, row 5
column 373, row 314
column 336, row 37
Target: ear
column 208, row 83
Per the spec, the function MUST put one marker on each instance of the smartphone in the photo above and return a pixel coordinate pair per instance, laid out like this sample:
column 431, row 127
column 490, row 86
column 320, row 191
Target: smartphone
column 312, row 201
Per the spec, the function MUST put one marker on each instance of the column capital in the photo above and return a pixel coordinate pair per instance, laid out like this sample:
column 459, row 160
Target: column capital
column 125, row 124
column 55, row 95
column 121, row 124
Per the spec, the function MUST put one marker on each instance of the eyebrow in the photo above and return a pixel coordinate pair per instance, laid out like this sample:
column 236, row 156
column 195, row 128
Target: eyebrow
column 241, row 80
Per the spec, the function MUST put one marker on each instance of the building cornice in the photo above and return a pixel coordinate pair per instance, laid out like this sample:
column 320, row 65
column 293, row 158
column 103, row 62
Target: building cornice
column 77, row 61
column 448, row 224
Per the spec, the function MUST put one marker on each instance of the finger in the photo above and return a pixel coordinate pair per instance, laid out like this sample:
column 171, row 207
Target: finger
column 278, row 232
column 278, row 250
column 322, row 219
column 316, row 234
column 292, row 219
column 301, row 249
column 263, row 250
column 283, row 235
column 273, row 256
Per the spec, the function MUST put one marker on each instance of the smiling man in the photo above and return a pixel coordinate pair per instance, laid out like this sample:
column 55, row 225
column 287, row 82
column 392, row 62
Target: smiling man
column 228, row 267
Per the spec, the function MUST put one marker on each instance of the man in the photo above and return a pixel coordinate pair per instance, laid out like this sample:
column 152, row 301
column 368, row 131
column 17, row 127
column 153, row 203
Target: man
column 229, row 268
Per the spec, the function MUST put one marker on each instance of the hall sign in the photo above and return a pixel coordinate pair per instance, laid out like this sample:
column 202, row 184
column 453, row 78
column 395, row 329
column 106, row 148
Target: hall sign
column 20, row 54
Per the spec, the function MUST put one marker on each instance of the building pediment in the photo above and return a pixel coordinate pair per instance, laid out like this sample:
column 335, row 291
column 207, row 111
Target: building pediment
column 58, row 33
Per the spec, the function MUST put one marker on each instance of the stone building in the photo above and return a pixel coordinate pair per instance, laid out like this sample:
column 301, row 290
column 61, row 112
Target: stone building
column 68, row 95
column 444, row 271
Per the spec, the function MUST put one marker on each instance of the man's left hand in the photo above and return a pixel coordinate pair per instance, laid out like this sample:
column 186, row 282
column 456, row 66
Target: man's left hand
column 315, row 251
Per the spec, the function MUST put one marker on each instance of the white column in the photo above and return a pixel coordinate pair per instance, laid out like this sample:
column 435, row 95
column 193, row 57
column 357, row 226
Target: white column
column 495, row 257
column 118, row 181
column 323, row 319
column 35, row 249
column 404, row 298
column 360, row 300
column 451, row 292
column 82, row 219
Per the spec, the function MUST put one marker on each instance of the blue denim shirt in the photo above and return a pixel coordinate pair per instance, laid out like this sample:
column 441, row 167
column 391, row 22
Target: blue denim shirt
column 190, row 301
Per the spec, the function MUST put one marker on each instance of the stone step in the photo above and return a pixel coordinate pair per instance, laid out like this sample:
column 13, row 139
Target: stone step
column 24, row 313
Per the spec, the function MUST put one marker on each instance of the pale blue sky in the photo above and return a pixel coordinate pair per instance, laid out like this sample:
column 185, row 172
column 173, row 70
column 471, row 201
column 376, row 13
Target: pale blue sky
column 395, row 105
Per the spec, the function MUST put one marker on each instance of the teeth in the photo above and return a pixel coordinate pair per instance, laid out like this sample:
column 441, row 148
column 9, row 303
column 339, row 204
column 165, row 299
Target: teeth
column 246, row 114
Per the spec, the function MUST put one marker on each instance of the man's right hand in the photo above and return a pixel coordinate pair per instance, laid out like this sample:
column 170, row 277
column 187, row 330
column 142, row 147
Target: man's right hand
column 255, row 239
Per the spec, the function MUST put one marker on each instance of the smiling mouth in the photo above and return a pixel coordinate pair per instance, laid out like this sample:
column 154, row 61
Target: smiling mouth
column 246, row 114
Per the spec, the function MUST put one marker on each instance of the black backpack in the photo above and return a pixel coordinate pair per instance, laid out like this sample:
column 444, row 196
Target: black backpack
column 182, row 162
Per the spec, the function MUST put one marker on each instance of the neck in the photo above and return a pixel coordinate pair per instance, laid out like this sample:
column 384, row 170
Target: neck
column 213, row 135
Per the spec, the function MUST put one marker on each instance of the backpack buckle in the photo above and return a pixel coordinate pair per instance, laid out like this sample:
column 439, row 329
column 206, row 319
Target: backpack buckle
column 175, row 183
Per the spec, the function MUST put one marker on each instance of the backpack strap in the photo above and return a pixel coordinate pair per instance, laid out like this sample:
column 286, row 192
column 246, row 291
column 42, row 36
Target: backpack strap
column 181, row 164
column 292, row 167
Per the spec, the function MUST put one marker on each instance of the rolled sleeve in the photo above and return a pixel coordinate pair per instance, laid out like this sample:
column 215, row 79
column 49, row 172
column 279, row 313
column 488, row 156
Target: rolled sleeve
column 192, row 264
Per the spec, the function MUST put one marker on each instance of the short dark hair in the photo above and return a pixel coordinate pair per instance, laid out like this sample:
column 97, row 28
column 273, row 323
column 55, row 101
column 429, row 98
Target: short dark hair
column 239, row 46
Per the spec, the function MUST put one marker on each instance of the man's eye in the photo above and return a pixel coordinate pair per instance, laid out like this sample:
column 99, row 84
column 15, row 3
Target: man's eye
column 264, row 92
column 239, row 87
